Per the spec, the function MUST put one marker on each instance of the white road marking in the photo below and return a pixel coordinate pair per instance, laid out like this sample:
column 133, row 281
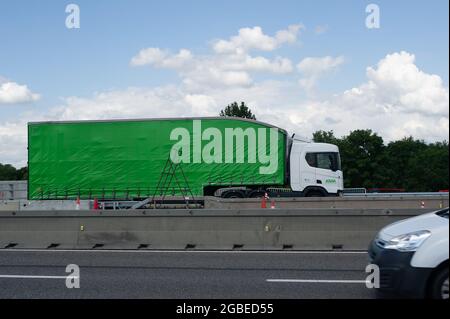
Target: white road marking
column 318, row 281
column 189, row 251
column 35, row 277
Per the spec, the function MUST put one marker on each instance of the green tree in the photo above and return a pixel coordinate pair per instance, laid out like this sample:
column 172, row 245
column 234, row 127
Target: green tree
column 325, row 137
column 10, row 173
column 236, row 110
column 7, row 172
column 22, row 173
column 408, row 163
column 428, row 169
column 400, row 157
column 364, row 154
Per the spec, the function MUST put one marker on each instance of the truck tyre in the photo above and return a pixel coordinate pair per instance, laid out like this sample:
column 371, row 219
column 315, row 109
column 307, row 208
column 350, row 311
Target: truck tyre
column 233, row 194
column 257, row 194
column 439, row 284
column 314, row 193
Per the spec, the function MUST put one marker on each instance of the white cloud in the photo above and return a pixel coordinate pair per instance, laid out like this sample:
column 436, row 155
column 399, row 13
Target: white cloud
column 398, row 83
column 318, row 65
column 161, row 58
column 312, row 68
column 229, row 63
column 397, row 100
column 202, row 105
column 132, row 102
column 249, row 63
column 11, row 92
column 254, row 38
column 13, row 142
column 289, row 35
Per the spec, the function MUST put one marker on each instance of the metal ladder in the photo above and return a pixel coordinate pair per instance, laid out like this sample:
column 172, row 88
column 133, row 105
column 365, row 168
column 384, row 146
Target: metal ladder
column 167, row 177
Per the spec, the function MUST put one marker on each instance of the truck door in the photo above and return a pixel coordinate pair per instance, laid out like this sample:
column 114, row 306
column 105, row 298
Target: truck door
column 328, row 171
column 308, row 164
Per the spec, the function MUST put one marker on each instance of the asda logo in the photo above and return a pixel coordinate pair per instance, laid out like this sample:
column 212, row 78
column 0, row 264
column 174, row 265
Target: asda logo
column 210, row 146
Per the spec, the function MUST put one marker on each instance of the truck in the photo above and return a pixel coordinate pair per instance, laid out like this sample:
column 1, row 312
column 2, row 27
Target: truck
column 134, row 159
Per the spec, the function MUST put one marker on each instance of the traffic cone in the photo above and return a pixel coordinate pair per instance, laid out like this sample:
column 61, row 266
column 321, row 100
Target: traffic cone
column 272, row 204
column 77, row 203
column 264, row 201
column 95, row 203
column 422, row 204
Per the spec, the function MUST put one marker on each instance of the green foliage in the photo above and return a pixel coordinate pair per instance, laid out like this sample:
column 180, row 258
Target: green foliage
column 236, row 110
column 10, row 173
column 410, row 164
column 22, row 173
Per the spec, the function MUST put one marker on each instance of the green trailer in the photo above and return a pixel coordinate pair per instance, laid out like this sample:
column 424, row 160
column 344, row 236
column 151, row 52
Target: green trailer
column 125, row 159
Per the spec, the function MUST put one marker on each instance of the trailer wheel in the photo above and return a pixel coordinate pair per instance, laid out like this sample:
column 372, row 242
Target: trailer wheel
column 257, row 194
column 233, row 194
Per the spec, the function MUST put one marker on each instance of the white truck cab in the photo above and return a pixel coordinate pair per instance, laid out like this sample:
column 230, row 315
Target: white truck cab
column 315, row 168
column 312, row 170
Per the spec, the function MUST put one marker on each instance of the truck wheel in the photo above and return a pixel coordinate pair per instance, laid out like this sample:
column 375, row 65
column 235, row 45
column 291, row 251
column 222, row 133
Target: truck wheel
column 257, row 194
column 314, row 194
column 233, row 194
column 439, row 285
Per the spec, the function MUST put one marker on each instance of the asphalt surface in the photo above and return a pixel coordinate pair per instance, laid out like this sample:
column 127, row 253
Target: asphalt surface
column 183, row 275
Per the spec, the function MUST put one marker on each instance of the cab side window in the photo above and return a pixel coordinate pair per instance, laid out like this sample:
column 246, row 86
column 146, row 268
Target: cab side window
column 311, row 159
column 324, row 160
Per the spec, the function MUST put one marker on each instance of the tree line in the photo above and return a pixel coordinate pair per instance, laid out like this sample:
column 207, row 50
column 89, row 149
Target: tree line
column 409, row 163
column 10, row 173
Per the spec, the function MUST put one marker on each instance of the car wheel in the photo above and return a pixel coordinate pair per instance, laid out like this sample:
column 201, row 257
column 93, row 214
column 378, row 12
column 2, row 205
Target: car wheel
column 439, row 286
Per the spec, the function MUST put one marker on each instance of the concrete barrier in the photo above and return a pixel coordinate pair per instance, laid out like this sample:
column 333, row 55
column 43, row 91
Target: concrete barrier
column 13, row 190
column 43, row 205
column 434, row 201
column 252, row 229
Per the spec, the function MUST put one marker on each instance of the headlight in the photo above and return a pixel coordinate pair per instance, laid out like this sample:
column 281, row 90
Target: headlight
column 408, row 242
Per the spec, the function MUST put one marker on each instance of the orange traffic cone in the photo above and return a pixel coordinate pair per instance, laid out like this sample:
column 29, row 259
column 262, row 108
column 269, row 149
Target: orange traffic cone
column 77, row 204
column 272, row 204
column 264, row 201
column 95, row 206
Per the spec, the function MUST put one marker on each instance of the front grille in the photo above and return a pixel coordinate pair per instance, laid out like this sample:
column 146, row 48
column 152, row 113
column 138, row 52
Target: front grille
column 386, row 279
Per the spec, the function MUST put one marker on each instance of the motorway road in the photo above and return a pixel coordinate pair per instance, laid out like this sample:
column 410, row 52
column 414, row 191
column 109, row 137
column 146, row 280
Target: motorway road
column 184, row 274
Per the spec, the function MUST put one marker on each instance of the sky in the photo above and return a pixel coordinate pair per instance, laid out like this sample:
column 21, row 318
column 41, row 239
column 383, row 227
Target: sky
column 301, row 65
